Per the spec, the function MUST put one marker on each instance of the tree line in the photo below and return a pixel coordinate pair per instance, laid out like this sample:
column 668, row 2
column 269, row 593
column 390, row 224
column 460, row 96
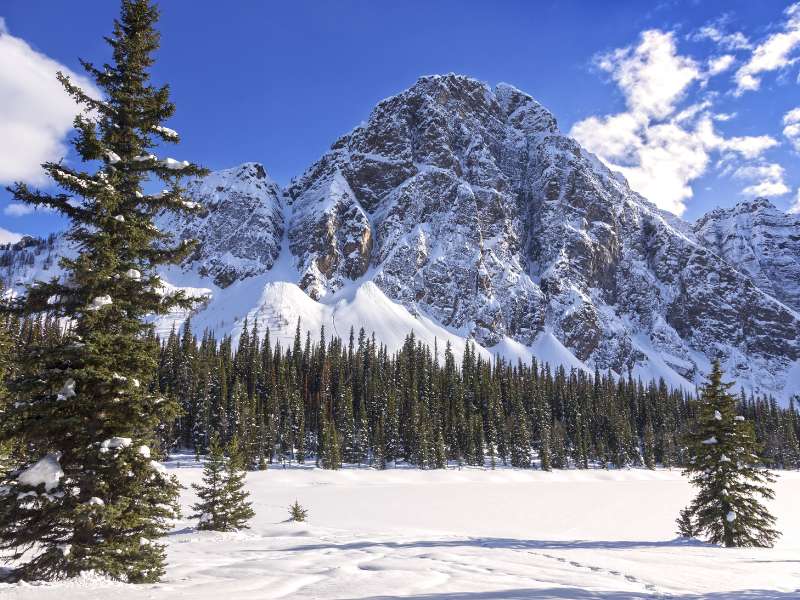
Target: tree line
column 354, row 401
column 330, row 402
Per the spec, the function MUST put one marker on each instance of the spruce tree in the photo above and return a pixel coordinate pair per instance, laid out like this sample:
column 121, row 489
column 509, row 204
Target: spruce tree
column 211, row 492
column 648, row 446
column 6, row 460
column 84, row 402
column 685, row 522
column 238, row 509
column 223, row 502
column 297, row 513
column 724, row 466
column 520, row 438
column 330, row 449
column 790, row 448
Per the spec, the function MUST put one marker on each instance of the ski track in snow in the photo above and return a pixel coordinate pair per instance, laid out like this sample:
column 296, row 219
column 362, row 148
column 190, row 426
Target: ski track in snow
column 471, row 534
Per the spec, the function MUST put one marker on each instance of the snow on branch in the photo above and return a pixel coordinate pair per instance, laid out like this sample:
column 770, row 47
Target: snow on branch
column 166, row 132
column 176, row 165
column 100, row 301
column 46, row 471
column 112, row 157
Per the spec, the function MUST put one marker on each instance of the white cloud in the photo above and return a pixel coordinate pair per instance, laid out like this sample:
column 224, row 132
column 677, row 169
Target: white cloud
column 791, row 120
column 690, row 112
column 750, row 146
column 796, row 206
column 35, row 112
column 728, row 41
column 18, row 209
column 6, row 236
column 767, row 178
column 660, row 149
column 652, row 75
column 720, row 64
column 773, row 54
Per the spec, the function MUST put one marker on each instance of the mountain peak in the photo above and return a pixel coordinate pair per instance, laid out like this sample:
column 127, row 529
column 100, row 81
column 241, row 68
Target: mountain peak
column 761, row 203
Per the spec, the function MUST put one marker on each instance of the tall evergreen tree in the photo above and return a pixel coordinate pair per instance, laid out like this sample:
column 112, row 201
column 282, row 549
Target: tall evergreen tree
column 6, row 461
column 724, row 466
column 84, row 403
column 520, row 438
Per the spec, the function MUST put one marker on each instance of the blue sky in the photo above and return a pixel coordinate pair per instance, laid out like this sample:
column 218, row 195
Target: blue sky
column 693, row 101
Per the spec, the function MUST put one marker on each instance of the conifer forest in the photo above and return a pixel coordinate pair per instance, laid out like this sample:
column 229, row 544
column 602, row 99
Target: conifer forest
column 330, row 401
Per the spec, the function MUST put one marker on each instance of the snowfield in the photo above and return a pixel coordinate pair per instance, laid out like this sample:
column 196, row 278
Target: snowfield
column 471, row 534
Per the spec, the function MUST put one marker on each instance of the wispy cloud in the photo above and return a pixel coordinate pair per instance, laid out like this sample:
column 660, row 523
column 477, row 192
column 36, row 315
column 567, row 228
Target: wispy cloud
column 727, row 41
column 796, row 206
column 17, row 209
column 35, row 112
column 767, row 178
column 791, row 130
column 774, row 53
column 659, row 144
column 651, row 75
column 720, row 64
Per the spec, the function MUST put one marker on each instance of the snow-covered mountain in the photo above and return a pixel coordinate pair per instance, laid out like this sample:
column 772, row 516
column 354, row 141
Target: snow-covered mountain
column 241, row 228
column 760, row 241
column 461, row 211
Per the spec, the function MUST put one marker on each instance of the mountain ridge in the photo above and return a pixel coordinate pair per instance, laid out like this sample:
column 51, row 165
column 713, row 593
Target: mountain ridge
column 467, row 207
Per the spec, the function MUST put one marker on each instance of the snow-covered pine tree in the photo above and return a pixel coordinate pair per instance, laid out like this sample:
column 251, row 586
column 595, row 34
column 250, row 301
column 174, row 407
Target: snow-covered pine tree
column 345, row 423
column 491, row 429
column 362, row 435
column 391, row 427
column 725, row 467
column 790, row 451
column 299, row 428
column 91, row 498
column 379, row 455
column 558, row 443
column 297, row 513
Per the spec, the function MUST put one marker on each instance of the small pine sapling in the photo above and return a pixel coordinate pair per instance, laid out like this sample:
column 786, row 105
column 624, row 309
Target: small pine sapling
column 686, row 525
column 297, row 513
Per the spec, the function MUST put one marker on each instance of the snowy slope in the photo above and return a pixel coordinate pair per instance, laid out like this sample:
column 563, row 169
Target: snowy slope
column 459, row 534
column 460, row 211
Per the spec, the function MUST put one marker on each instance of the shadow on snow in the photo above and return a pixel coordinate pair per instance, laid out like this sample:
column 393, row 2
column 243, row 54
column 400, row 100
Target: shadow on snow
column 569, row 593
column 508, row 544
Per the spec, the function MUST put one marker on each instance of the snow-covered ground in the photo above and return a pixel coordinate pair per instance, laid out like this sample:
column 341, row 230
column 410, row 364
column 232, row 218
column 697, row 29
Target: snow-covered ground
column 470, row 534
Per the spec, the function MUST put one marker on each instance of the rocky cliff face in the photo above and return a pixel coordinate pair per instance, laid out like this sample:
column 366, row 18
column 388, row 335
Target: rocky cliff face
column 241, row 228
column 466, row 204
column 761, row 241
